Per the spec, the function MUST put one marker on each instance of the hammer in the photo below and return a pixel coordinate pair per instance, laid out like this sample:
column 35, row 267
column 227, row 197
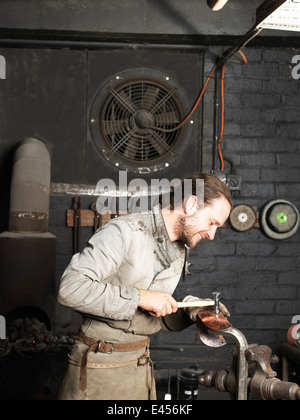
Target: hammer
column 203, row 302
column 196, row 304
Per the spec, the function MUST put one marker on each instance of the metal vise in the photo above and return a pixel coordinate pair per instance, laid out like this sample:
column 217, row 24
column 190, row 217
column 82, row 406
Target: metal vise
column 250, row 371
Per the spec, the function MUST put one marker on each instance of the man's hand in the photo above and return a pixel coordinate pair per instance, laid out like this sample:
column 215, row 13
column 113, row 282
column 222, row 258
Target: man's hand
column 157, row 303
column 193, row 312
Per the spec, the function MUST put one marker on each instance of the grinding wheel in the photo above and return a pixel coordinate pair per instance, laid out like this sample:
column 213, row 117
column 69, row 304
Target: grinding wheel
column 242, row 218
column 293, row 335
column 280, row 219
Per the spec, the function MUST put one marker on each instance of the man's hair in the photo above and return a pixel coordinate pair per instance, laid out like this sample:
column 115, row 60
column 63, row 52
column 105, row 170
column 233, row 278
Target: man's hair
column 213, row 188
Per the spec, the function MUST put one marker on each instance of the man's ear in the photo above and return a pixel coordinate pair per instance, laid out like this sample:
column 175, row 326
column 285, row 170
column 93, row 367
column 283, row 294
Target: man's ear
column 190, row 205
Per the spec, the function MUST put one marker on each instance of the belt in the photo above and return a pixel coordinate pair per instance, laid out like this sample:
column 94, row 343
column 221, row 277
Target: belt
column 107, row 347
column 140, row 361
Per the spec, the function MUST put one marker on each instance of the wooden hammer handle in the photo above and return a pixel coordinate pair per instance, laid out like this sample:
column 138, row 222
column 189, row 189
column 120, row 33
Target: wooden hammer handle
column 196, row 304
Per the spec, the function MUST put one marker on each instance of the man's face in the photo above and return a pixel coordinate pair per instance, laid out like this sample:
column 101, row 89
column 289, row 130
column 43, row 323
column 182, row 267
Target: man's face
column 203, row 223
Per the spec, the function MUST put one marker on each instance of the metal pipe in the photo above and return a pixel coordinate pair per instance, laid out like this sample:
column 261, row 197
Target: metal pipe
column 239, row 45
column 242, row 364
column 217, row 118
column 187, row 44
column 30, row 188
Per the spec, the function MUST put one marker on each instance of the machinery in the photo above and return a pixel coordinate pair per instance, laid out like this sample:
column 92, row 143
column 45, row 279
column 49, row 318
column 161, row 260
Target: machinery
column 250, row 372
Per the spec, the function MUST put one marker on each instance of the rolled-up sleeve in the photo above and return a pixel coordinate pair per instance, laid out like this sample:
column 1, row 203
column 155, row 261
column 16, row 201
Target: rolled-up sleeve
column 85, row 285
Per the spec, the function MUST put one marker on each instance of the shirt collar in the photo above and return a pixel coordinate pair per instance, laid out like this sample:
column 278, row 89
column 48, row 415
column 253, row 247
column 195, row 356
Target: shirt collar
column 171, row 251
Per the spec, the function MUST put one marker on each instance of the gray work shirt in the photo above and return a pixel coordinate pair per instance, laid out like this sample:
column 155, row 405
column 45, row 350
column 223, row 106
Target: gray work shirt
column 128, row 253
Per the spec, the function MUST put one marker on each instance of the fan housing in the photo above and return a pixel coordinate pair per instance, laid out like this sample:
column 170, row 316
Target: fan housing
column 131, row 117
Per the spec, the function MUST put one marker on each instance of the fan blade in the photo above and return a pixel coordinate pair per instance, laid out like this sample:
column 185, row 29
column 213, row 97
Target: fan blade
column 110, row 128
column 150, row 97
column 160, row 145
column 120, row 143
column 123, row 99
column 163, row 101
column 131, row 148
column 167, row 118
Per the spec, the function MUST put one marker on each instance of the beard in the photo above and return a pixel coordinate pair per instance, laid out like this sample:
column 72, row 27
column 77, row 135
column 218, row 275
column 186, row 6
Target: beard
column 184, row 230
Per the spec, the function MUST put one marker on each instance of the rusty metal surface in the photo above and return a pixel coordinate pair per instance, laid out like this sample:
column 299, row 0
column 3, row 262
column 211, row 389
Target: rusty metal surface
column 214, row 321
column 207, row 339
column 209, row 320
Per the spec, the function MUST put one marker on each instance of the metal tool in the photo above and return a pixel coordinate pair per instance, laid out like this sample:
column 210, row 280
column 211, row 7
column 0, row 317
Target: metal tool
column 212, row 320
column 211, row 327
column 241, row 362
column 206, row 338
column 242, row 218
column 280, row 219
column 262, row 384
column 293, row 335
column 77, row 223
column 97, row 216
column 216, row 296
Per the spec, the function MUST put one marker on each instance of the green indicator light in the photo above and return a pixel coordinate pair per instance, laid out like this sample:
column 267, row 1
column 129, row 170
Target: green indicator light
column 282, row 218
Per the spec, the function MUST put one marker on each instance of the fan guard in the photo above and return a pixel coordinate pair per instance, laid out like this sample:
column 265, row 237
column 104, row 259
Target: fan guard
column 128, row 118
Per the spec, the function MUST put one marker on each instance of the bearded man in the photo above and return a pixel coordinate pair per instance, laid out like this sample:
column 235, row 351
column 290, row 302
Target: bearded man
column 122, row 284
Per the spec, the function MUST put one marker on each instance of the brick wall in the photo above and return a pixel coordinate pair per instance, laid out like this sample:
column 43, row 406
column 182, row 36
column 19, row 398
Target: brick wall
column 257, row 276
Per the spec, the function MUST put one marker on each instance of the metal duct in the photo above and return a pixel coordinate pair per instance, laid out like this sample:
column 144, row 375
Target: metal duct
column 30, row 188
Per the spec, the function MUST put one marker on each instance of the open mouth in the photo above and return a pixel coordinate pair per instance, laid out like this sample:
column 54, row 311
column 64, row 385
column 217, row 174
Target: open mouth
column 201, row 236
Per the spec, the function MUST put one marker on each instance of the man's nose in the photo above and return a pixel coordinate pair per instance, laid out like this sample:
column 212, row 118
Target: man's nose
column 212, row 233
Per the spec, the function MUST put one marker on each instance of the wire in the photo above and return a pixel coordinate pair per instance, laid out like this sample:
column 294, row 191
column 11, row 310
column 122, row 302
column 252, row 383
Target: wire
column 193, row 109
column 222, row 118
column 243, row 61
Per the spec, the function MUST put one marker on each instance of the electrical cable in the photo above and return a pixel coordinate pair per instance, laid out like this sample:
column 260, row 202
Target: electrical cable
column 193, row 109
column 243, row 61
column 222, row 118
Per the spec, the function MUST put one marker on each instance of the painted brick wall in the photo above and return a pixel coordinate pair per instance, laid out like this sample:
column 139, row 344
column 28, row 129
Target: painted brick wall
column 257, row 276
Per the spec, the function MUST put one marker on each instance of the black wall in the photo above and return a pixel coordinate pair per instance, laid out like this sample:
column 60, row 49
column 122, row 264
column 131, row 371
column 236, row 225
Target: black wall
column 258, row 276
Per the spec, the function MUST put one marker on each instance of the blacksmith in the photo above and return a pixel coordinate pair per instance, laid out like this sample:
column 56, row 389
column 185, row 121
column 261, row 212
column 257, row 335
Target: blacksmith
column 122, row 283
